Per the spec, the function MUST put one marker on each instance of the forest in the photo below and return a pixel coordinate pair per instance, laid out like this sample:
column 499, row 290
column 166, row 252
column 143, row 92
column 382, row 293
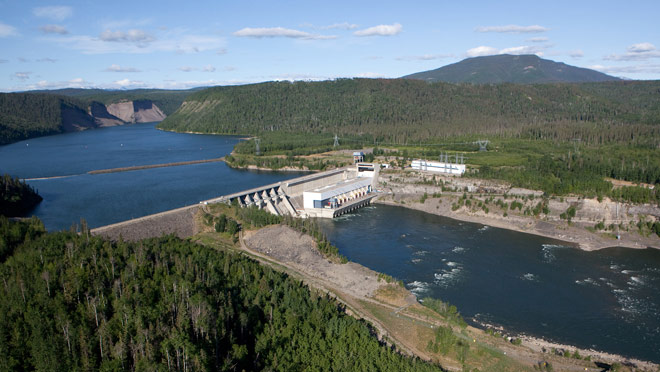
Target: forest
column 71, row 301
column 16, row 197
column 402, row 111
column 26, row 115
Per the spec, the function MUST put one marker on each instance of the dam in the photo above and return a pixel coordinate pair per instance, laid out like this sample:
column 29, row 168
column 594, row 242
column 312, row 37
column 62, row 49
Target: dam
column 325, row 194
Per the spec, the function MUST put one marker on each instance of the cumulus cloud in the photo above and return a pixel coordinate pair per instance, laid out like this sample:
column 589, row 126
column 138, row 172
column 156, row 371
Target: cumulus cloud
column 270, row 32
column 636, row 52
column 22, row 76
column 58, row 13
column 425, row 57
column 131, row 36
column 370, row 75
column 186, row 69
column 54, row 29
column 128, row 83
column 513, row 29
column 481, row 51
column 380, row 30
column 118, row 68
column 208, row 68
column 541, row 39
column 7, row 30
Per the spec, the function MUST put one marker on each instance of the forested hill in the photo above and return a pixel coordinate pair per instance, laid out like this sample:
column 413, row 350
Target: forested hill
column 71, row 302
column 167, row 100
column 404, row 110
column 27, row 115
column 505, row 68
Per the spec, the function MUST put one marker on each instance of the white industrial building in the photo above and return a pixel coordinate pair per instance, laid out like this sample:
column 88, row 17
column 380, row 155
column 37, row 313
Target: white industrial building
column 335, row 196
column 439, row 167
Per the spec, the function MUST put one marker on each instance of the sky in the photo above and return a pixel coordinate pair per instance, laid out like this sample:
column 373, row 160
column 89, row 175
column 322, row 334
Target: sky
column 183, row 44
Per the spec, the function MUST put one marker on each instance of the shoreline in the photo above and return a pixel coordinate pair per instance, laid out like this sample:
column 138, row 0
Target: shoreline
column 569, row 238
column 577, row 234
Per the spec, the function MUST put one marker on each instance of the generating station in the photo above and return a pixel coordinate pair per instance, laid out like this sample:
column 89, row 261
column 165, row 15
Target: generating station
column 326, row 194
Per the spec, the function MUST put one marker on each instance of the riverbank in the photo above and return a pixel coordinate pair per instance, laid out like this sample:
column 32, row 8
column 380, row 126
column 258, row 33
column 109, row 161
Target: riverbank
column 490, row 203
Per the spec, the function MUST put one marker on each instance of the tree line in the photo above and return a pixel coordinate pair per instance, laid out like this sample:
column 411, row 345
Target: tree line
column 71, row 301
column 16, row 197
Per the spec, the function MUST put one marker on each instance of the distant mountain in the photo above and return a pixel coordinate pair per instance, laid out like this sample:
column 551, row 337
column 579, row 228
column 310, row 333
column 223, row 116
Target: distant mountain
column 505, row 68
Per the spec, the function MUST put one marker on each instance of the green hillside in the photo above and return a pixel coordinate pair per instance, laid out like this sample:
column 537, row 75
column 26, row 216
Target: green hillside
column 27, row 115
column 404, row 110
column 505, row 68
column 71, row 302
column 167, row 100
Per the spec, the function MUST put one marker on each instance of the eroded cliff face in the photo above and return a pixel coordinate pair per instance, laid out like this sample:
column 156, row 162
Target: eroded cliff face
column 141, row 111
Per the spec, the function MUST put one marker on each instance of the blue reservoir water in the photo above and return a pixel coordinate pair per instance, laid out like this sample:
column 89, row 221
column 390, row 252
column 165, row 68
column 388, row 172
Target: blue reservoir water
column 103, row 199
column 607, row 300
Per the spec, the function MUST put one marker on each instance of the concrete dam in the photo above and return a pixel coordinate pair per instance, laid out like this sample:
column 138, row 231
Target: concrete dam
column 326, row 194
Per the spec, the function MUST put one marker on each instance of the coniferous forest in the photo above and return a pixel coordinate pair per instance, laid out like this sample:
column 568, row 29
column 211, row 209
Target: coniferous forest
column 407, row 111
column 69, row 301
column 16, row 197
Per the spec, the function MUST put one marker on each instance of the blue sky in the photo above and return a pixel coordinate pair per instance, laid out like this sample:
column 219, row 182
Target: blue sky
column 177, row 45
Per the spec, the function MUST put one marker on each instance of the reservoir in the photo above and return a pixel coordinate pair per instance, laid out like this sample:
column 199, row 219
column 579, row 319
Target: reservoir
column 57, row 166
column 607, row 300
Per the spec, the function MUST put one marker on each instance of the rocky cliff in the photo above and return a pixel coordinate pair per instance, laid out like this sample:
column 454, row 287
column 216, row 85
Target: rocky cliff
column 139, row 111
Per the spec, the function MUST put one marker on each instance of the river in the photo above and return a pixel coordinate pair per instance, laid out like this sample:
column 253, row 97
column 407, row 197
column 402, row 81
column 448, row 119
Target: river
column 607, row 300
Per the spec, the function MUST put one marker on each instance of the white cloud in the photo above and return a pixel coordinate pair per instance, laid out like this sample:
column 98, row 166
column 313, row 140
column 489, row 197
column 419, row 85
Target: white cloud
column 425, row 57
column 7, row 30
column 22, row 76
column 186, row 69
column 636, row 52
column 118, row 68
column 270, row 32
column 46, row 59
column 635, row 69
column 54, row 29
column 221, row 51
column 178, row 41
column 132, row 36
column 370, row 75
column 58, row 13
column 481, row 51
column 229, row 68
column 525, row 49
column 513, row 29
column 541, row 39
column 380, row 30
column 208, row 68
column 641, row 48
column 340, row 26
column 127, row 83
column 576, row 53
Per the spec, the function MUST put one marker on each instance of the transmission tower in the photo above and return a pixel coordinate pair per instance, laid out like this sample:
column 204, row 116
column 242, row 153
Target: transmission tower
column 336, row 141
column 483, row 145
column 257, row 151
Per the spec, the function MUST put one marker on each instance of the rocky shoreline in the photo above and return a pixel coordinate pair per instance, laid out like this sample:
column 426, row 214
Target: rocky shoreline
column 410, row 195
